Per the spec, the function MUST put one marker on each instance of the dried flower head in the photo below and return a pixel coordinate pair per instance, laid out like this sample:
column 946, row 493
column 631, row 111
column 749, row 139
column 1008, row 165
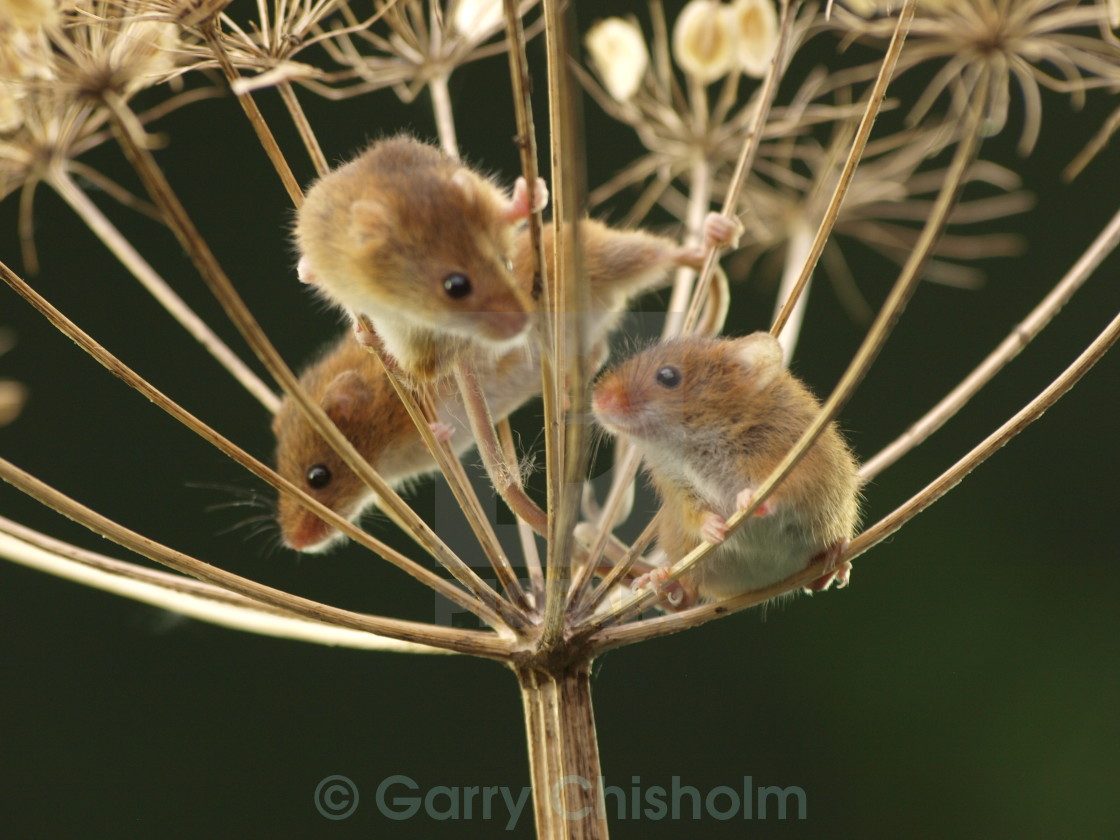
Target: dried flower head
column 618, row 52
column 703, row 41
column 756, row 34
column 990, row 45
column 28, row 15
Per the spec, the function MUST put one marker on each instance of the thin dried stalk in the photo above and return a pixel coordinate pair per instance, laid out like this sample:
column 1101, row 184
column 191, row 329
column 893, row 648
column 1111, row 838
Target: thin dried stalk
column 859, row 143
column 256, row 118
column 568, row 457
column 441, row 107
column 524, row 531
column 452, row 469
column 503, row 475
column 306, row 133
column 112, row 238
column 1019, row 337
column 484, row 644
column 184, row 595
column 135, row 381
column 988, row 447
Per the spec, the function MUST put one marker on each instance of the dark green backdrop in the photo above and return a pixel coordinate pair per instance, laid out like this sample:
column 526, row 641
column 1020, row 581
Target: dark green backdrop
column 965, row 686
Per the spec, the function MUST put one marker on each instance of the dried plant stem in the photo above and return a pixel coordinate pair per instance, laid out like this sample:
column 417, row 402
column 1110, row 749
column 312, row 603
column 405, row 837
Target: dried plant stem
column 478, row 643
column 569, row 452
column 183, row 595
column 563, row 752
column 524, row 531
column 256, row 118
column 995, row 441
column 955, row 176
column 621, row 566
column 128, row 132
column 1023, row 333
column 442, row 110
column 793, row 289
column 859, row 143
column 699, row 202
column 122, row 249
column 306, row 133
column 135, row 381
column 420, row 409
column 626, row 465
column 502, row 474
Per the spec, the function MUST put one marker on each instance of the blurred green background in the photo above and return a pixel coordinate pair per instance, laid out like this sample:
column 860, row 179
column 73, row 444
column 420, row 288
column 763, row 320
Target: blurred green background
column 966, row 684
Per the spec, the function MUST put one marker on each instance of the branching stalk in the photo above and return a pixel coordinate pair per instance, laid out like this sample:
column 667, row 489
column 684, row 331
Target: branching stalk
column 1023, row 333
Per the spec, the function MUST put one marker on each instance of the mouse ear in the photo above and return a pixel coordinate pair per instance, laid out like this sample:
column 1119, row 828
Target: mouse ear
column 345, row 397
column 762, row 354
column 369, row 220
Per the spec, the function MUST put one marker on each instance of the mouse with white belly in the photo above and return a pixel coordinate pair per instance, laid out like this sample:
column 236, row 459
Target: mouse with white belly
column 712, row 418
column 421, row 244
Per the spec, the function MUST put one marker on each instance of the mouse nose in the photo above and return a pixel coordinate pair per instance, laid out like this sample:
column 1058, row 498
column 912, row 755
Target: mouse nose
column 504, row 325
column 610, row 399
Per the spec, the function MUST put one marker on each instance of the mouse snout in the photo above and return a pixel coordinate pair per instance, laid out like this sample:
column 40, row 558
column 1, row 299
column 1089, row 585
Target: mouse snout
column 610, row 399
column 500, row 326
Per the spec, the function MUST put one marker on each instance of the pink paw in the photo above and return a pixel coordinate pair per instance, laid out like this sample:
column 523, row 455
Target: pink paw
column 713, row 528
column 840, row 575
column 442, row 432
column 667, row 590
column 521, row 205
column 721, row 231
column 744, row 499
column 305, row 272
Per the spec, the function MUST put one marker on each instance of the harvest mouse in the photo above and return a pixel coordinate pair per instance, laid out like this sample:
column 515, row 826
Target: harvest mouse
column 422, row 245
column 712, row 417
column 352, row 389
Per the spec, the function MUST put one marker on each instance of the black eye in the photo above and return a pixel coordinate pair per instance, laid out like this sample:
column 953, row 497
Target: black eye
column 318, row 476
column 668, row 377
column 457, row 285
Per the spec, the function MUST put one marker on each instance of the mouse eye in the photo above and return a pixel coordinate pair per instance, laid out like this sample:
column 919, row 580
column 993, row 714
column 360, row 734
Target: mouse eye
column 457, row 285
column 668, row 377
column 318, row 476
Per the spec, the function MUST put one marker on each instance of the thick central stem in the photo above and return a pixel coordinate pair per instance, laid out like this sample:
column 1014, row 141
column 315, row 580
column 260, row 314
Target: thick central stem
column 563, row 752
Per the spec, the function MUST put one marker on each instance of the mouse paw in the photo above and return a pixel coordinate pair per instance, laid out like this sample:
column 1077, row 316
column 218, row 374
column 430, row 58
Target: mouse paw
column 442, row 431
column 721, row 231
column 713, row 527
column 672, row 592
column 840, row 575
column 745, row 497
column 521, row 206
column 305, row 273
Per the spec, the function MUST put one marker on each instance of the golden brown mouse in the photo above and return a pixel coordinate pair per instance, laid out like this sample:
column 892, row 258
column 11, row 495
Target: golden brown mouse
column 421, row 244
column 352, row 389
column 712, row 418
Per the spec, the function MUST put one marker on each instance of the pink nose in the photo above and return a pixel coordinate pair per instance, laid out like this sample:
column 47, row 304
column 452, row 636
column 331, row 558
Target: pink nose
column 610, row 398
column 503, row 325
